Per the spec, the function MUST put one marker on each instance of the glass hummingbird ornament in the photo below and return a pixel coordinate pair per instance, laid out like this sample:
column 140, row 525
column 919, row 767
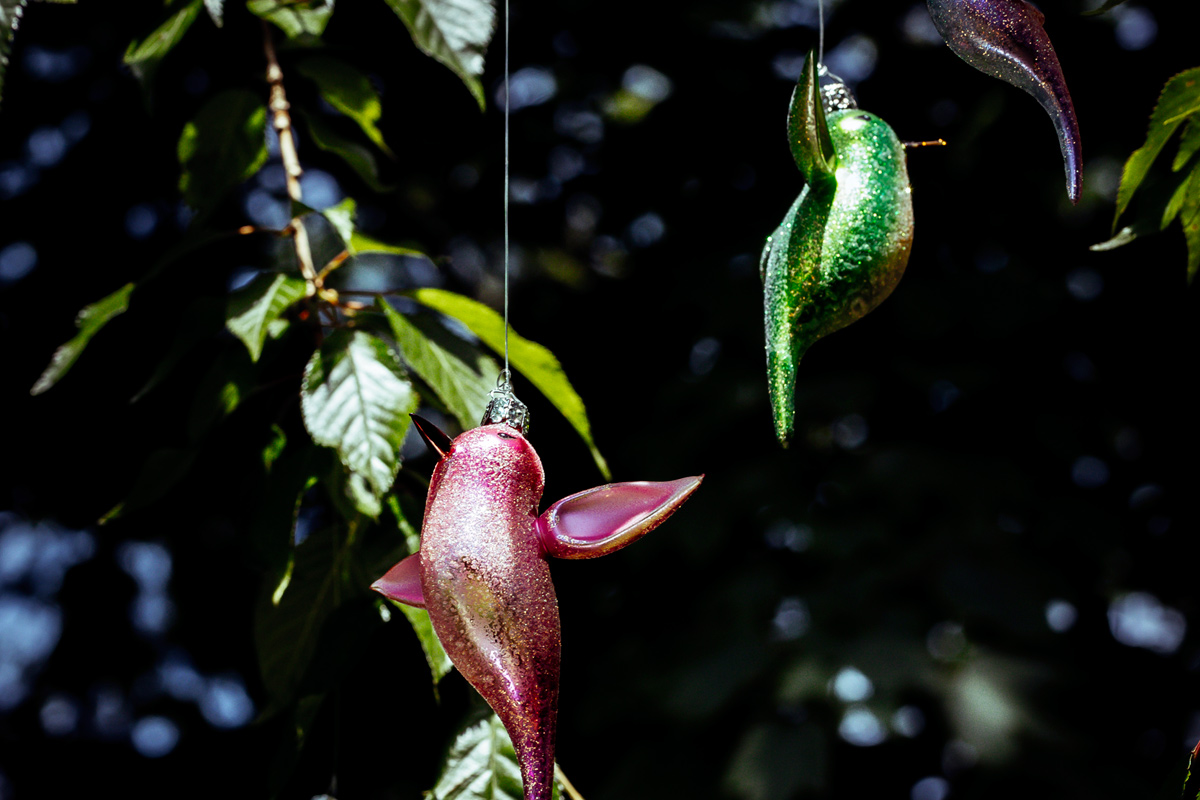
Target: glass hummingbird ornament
column 482, row 574
column 1006, row 39
column 844, row 243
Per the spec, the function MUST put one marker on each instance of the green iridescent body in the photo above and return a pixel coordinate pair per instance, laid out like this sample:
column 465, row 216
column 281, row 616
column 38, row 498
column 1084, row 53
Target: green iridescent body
column 842, row 247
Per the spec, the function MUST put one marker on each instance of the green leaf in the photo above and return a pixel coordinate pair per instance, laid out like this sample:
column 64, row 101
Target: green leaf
column 200, row 321
column 287, row 626
column 356, row 399
column 1189, row 143
column 361, row 243
column 296, row 18
column 1189, row 218
column 89, row 322
column 341, row 217
column 455, row 32
column 162, row 471
column 11, row 12
column 1176, row 202
column 143, row 57
column 252, row 309
column 349, row 91
column 1109, row 4
column 808, row 132
column 229, row 379
column 274, row 447
column 529, row 358
column 1179, row 99
column 482, row 765
column 460, row 375
column 358, row 157
column 224, row 145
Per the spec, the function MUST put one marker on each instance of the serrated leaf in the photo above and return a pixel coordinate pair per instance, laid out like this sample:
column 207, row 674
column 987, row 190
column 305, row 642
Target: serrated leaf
column 808, row 132
column 358, row 157
column 216, row 10
column 460, row 375
column 1179, row 99
column 89, row 322
column 295, row 18
column 482, row 765
column 356, row 399
column 224, row 145
column 455, row 32
column 530, row 359
column 1189, row 218
column 349, row 91
column 143, row 57
column 252, row 309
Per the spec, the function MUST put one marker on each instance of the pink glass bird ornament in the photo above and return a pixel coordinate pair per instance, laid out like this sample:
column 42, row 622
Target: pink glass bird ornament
column 1005, row 39
column 482, row 574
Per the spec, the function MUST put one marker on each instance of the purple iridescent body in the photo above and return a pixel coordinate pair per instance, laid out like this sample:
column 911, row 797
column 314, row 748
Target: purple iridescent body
column 482, row 573
column 1005, row 39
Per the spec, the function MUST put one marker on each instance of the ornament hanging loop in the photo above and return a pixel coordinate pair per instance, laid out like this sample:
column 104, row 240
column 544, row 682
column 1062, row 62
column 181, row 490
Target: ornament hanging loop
column 504, row 407
column 835, row 94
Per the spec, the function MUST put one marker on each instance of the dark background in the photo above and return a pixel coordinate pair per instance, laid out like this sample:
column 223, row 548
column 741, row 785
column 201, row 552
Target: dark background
column 1008, row 433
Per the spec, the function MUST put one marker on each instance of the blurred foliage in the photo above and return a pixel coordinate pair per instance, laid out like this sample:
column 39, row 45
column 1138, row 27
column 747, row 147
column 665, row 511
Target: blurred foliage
column 1178, row 108
column 926, row 594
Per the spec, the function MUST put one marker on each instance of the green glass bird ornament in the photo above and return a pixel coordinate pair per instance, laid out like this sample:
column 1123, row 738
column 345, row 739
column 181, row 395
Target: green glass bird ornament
column 844, row 243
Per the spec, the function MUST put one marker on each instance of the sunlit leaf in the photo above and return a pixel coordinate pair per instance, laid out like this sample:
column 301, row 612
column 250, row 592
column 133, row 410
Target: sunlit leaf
column 252, row 309
column 361, row 243
column 89, row 322
column 460, row 375
column 455, row 32
column 530, row 359
column 349, row 91
column 296, row 18
column 358, row 157
column 1177, row 198
column 143, row 57
column 224, row 145
column 482, row 765
column 1180, row 98
column 216, row 10
column 1189, row 143
column 356, row 399
column 341, row 217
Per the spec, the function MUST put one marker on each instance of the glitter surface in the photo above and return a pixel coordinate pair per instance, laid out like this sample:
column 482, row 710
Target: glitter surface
column 839, row 252
column 1005, row 39
column 488, row 590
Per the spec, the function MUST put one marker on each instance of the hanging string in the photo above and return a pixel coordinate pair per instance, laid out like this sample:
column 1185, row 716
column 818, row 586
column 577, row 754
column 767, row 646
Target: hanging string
column 504, row 376
column 820, row 33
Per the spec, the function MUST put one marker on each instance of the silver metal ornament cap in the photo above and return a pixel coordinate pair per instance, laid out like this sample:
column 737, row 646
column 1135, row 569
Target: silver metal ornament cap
column 835, row 94
column 503, row 406
column 837, row 97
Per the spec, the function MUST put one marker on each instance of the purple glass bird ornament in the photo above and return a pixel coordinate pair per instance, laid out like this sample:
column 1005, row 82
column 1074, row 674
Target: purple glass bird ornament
column 1005, row 39
column 482, row 574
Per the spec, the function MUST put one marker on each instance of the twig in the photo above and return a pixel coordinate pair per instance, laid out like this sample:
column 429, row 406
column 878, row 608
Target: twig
column 281, row 120
column 561, row 777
